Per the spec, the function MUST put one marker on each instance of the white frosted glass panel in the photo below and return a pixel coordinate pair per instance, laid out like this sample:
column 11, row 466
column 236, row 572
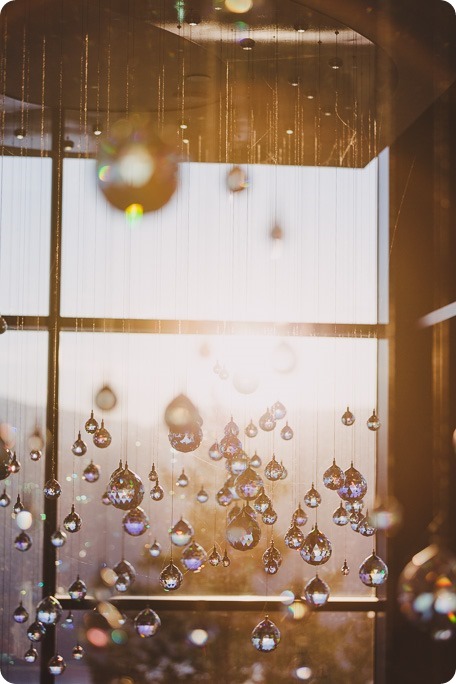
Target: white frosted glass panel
column 208, row 253
column 25, row 215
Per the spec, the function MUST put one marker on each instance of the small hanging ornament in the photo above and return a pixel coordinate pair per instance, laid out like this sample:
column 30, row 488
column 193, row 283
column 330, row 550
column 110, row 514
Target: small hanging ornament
column 269, row 517
column 243, row 532
column 249, row 485
column 35, row 455
column 231, row 428
column 20, row 615
column 125, row 489
column 255, row 461
column 224, row 496
column 188, row 441
column 262, row 502
column 365, row 528
column 251, row 430
column 170, row 577
column 157, row 492
column 4, row 499
column 202, row 495
column 101, row 438
column 226, row 560
column 294, row 538
column 267, row 421
column 182, row 480
column 214, row 452
column 316, row 592
column 105, row 499
column 373, row 422
column 348, row 418
column 23, row 542
column 105, row 398
column 354, row 487
column 340, row 516
column 230, row 445
column 91, row 473
column 194, row 557
column 79, row 447
column 236, row 179
column 181, row 533
column 56, row 665
column 58, row 538
column 18, row 506
column 36, row 631
column 147, row 623
column 355, row 506
column 68, row 622
column 238, row 463
column 15, row 465
column 316, row 548
column 273, row 470
column 214, row 558
column 271, row 567
column 31, row 655
column 312, row 498
column 125, row 568
column 373, row 571
column 36, row 440
column 334, row 477
column 155, row 550
column 153, row 475
column 72, row 522
column 91, row 425
column 181, row 415
column 299, row 516
column 278, row 410
column 266, row 636
column 49, row 611
column 345, row 570
column 123, row 583
column 77, row 652
column 286, row 432
column 272, row 554
column 135, row 522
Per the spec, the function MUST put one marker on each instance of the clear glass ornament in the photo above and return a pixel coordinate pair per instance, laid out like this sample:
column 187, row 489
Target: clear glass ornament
column 79, row 447
column 267, row 421
column 266, row 636
column 78, row 589
column 155, row 550
column 312, row 498
column 181, row 533
column 231, row 428
column 286, row 432
column 278, row 410
column 194, row 557
column 354, row 519
column 125, row 489
column 316, row 548
column 373, row 422
column 364, row 526
column 294, row 538
column 91, row 425
column 348, row 418
column 147, row 623
column 68, row 622
column 273, row 470
column 202, row 495
column 340, row 516
column 373, row 571
column 124, row 567
column 272, row 554
column 214, row 557
column 354, row 487
column 226, row 562
column 23, row 542
column 232, row 513
column 36, row 440
column 49, row 611
column 224, row 497
column 153, row 475
column 36, row 631
column 299, row 516
column 262, row 502
column 77, row 652
column 316, row 592
column 181, row 414
column 170, row 577
column 236, row 179
column 187, row 441
column 58, row 538
column 249, row 485
column 251, row 430
column 271, row 567
column 255, row 461
column 35, row 455
column 14, row 465
column 333, row 477
column 238, row 463
column 102, row 438
column 56, row 666
column 157, row 492
column 20, row 615
column 18, row 506
column 345, row 570
column 269, row 517
column 135, row 522
column 182, row 480
column 243, row 532
column 214, row 452
column 4, row 499
column 91, row 472
column 123, row 583
column 230, row 445
column 105, row 398
column 31, row 655
column 72, row 522
column 105, row 499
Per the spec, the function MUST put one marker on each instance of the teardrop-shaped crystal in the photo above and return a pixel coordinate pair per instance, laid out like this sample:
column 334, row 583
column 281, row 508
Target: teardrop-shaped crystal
column 135, row 522
column 123, row 583
column 170, row 577
column 262, row 502
column 232, row 513
column 373, row 422
column 348, row 418
column 255, row 461
column 31, row 655
column 214, row 452
column 273, row 470
column 243, row 532
column 226, row 562
column 354, row 487
column 101, row 438
column 79, row 447
column 78, row 589
column 316, row 548
column 271, row 567
column 181, row 414
column 236, row 179
column 58, row 538
column 36, row 631
column 266, row 636
column 147, row 623
column 202, row 496
column 20, row 615
column 373, row 571
column 4, row 499
column 272, row 554
column 72, row 522
column 56, row 666
column 269, row 517
column 125, row 489
column 68, row 622
column 14, row 465
column 187, row 441
column 238, row 463
column 249, row 485
column 251, row 430
column 91, row 472
column 316, row 592
column 91, row 425
column 49, row 611
column 35, row 454
column 18, row 506
column 77, row 652
column 230, row 445
column 312, row 498
column 267, row 421
column 224, row 497
column 194, row 557
column 23, row 542
column 278, row 410
column 124, row 567
column 105, row 499
column 340, row 516
column 36, row 439
column 286, row 432
column 52, row 489
column 105, row 398
column 182, row 480
column 153, row 475
column 345, row 570
column 299, row 516
column 354, row 519
column 214, row 557
column 181, row 533
column 334, row 477
column 157, row 492
column 294, row 538
column 231, row 427
column 155, row 550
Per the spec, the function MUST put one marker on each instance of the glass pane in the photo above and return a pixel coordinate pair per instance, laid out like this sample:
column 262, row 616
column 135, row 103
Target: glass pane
column 25, row 216
column 209, row 255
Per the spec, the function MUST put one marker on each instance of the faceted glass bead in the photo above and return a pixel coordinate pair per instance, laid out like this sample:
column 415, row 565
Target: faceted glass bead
column 125, row 489
column 224, row 497
column 354, row 487
column 294, row 538
column 58, row 538
column 157, row 492
column 91, row 425
column 153, row 475
column 286, row 432
column 202, row 496
column 14, row 466
column 147, row 623
column 182, row 480
column 266, row 636
column 334, row 477
column 255, row 461
column 102, row 438
column 354, row 519
column 316, row 592
column 170, row 577
column 249, row 485
column 22, row 542
column 312, row 498
column 105, row 499
column 123, row 583
column 194, row 557
column 18, row 506
column 345, row 570
column 251, row 430
column 124, row 567
column 105, row 398
column 56, row 665
column 267, row 421
column 373, row 422
column 299, row 516
column 340, row 516
column 262, row 502
column 269, row 517
column 91, row 473
column 214, row 557
column 278, row 410
column 155, row 549
column 233, row 512
column 181, row 533
column 236, row 179
column 272, row 554
column 243, row 532
column 373, row 571
column 31, row 655
column 348, row 418
column 68, row 622
column 35, row 454
column 4, row 499
column 273, row 470
column 214, row 452
column 79, row 447
column 52, row 489
column 186, row 442
column 49, row 611
column 36, row 631
column 72, row 522
column 135, row 522
column 3, row 325
column 238, row 463
column 77, row 590
column 230, row 445
column 77, row 652
column 365, row 528
column 271, row 567
column 226, row 560
column 316, row 548
column 231, row 428
column 181, row 414
column 20, row 615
